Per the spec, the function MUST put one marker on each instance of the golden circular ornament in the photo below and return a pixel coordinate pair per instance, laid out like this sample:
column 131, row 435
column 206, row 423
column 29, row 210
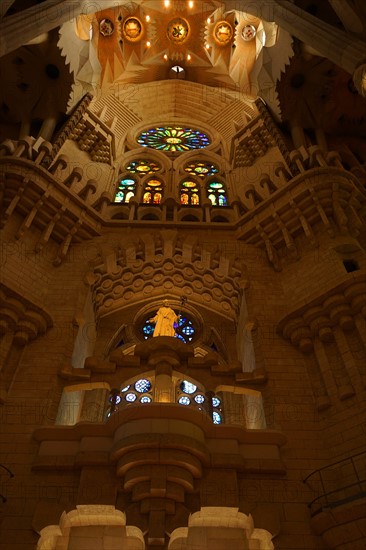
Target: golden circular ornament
column 223, row 33
column 178, row 30
column 132, row 29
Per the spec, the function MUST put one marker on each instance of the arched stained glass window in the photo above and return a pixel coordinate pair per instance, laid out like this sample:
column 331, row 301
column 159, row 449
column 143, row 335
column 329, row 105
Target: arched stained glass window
column 216, row 192
column 142, row 167
column 153, row 192
column 189, row 193
column 201, row 168
column 174, row 139
column 125, row 190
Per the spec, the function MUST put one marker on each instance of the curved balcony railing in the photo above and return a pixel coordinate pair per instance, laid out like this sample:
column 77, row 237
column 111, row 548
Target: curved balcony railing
column 338, row 483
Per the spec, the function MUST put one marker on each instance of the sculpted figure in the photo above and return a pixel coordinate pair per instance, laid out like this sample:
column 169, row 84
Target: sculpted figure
column 164, row 320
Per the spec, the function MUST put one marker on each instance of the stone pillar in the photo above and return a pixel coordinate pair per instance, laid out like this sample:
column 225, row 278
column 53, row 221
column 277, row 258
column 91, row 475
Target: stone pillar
column 164, row 387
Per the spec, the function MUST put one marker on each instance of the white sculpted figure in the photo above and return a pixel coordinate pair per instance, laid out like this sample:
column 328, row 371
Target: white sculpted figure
column 164, row 320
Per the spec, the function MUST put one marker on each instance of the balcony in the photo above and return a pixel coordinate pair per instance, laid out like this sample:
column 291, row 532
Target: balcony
column 339, row 509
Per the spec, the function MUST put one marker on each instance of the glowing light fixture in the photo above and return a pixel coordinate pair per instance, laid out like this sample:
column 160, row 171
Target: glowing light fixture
column 190, row 4
column 147, row 18
column 167, row 3
column 148, row 44
column 189, row 57
column 208, row 20
column 165, row 57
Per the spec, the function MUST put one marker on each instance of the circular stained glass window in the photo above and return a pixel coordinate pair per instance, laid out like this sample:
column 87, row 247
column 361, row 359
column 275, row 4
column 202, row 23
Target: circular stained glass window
column 216, row 417
column 201, row 169
column 142, row 166
column 184, row 400
column 187, row 387
column 178, row 30
column 248, row 33
column 216, row 402
column 199, row 398
column 115, row 399
column 130, row 397
column 145, row 399
column 176, row 139
column 143, row 385
column 106, row 27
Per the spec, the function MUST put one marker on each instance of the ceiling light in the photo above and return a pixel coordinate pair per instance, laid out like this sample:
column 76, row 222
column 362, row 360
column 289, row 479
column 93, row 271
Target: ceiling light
column 167, row 3
column 190, row 4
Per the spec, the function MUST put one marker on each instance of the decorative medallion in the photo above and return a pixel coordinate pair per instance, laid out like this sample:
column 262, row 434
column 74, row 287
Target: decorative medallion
column 106, row 27
column 223, row 33
column 178, row 30
column 248, row 33
column 173, row 139
column 132, row 29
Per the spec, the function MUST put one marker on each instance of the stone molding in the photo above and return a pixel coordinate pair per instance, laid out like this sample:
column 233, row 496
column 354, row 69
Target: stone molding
column 324, row 194
column 163, row 262
column 319, row 317
column 24, row 318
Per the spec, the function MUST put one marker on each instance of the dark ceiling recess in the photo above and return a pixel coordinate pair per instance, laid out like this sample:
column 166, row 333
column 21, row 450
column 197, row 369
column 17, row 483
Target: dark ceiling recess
column 297, row 80
column 52, row 71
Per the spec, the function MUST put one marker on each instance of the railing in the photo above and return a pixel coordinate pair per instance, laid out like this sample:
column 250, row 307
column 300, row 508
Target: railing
column 338, row 483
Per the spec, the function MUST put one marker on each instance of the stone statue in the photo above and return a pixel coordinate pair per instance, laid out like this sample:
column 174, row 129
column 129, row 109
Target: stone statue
column 164, row 320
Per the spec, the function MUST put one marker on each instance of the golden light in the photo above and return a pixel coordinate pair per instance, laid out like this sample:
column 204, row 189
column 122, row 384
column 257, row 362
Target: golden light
column 165, row 57
column 208, row 20
column 167, row 3
column 147, row 18
column 207, row 46
column 190, row 4
column 148, row 44
column 189, row 57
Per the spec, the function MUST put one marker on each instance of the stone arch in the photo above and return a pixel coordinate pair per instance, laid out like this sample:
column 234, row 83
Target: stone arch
column 102, row 521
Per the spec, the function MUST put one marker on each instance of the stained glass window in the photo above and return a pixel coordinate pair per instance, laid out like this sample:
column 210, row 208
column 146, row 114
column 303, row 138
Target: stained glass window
column 126, row 189
column 142, row 167
column 216, row 402
column 184, row 329
column 216, row 417
column 187, row 387
column 130, row 397
column 216, row 192
column 145, row 399
column 175, row 139
column 201, row 168
column 189, row 193
column 153, row 192
column 143, row 385
column 184, row 400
